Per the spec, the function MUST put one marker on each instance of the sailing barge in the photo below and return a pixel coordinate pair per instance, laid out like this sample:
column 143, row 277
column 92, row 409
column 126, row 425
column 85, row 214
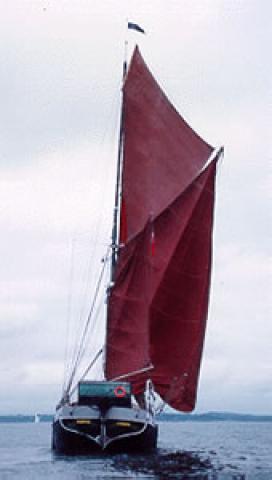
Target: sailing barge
column 160, row 277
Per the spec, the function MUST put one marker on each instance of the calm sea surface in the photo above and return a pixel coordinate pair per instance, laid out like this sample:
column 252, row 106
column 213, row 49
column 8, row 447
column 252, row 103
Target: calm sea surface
column 203, row 451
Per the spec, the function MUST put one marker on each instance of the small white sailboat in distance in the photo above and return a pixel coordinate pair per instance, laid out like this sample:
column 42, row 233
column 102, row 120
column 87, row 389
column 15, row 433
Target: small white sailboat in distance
column 37, row 418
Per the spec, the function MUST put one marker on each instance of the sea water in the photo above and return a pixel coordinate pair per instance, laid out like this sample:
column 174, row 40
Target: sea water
column 187, row 450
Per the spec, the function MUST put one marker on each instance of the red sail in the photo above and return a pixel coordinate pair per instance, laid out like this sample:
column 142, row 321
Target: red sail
column 158, row 305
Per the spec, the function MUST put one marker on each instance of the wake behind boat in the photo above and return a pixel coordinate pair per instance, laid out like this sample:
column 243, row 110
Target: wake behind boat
column 157, row 299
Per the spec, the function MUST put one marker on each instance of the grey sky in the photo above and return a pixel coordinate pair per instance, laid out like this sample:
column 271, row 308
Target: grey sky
column 59, row 94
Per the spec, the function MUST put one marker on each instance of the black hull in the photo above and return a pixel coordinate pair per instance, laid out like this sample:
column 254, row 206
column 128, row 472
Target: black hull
column 72, row 443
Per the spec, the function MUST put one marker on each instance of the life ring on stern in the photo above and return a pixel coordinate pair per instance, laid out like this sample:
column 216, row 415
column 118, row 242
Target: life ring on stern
column 120, row 391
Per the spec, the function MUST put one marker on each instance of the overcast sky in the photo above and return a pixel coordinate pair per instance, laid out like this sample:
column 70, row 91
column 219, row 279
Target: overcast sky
column 60, row 74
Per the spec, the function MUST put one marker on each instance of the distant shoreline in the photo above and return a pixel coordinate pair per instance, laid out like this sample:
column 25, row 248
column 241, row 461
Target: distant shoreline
column 215, row 417
column 164, row 417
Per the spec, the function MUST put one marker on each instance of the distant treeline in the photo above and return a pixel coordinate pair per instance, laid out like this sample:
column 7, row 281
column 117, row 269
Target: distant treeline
column 213, row 417
column 164, row 417
column 25, row 418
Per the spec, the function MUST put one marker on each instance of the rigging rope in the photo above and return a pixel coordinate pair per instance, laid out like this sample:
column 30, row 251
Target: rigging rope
column 94, row 326
column 100, row 225
column 82, row 354
column 83, row 337
column 69, row 316
column 86, row 371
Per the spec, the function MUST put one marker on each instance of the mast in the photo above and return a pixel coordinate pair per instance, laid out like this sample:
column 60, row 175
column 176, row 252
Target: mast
column 118, row 186
column 117, row 199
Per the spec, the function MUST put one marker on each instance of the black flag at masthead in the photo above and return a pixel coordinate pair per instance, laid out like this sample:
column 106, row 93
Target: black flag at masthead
column 135, row 26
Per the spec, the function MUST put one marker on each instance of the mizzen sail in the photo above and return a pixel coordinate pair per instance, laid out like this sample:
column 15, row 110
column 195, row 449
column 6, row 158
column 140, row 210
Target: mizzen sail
column 158, row 304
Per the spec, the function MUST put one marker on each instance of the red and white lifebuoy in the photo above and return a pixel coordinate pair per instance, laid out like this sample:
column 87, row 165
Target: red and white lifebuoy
column 120, row 391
